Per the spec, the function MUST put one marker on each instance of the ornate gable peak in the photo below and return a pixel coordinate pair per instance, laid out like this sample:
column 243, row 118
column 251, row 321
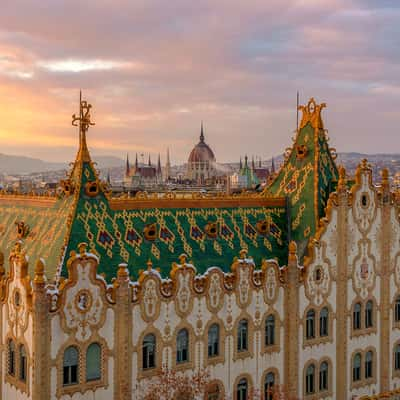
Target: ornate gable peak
column 312, row 114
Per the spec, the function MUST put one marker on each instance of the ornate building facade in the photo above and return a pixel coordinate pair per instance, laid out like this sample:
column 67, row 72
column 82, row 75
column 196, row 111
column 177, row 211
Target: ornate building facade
column 298, row 285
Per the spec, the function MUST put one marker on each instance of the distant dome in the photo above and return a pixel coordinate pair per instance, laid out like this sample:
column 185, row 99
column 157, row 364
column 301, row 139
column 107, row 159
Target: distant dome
column 202, row 151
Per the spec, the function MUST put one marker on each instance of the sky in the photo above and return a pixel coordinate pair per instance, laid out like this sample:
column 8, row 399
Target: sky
column 154, row 69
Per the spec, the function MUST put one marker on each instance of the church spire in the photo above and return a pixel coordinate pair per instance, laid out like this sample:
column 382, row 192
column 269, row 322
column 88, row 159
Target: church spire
column 240, row 163
column 202, row 133
column 128, row 168
column 272, row 166
column 136, row 163
column 149, row 161
column 167, row 167
column 159, row 165
column 253, row 165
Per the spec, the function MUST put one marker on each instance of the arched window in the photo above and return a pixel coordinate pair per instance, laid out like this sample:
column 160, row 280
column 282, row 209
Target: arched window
column 310, row 324
column 323, row 322
column 310, row 379
column 397, row 310
column 323, row 376
column 11, row 357
column 397, row 357
column 241, row 393
column 357, row 316
column 213, row 340
column 149, row 351
column 269, row 386
column 242, row 338
column 368, row 314
column 22, row 363
column 70, row 366
column 93, row 362
column 270, row 330
column 368, row 364
column 182, row 346
column 357, row 367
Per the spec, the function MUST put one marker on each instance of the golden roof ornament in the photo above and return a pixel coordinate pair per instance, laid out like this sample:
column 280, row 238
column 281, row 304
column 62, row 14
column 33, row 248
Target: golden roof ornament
column 342, row 182
column 39, row 272
column 84, row 124
column 312, row 114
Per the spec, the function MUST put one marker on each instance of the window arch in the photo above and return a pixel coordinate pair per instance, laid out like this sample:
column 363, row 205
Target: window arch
column 397, row 357
column 357, row 367
column 323, row 322
column 149, row 351
column 182, row 346
column 213, row 340
column 310, row 379
column 310, row 324
column 323, row 376
column 357, row 316
column 397, row 310
column 369, row 307
column 70, row 366
column 93, row 362
column 242, row 389
column 23, row 365
column 11, row 357
column 369, row 359
column 269, row 386
column 242, row 335
column 270, row 330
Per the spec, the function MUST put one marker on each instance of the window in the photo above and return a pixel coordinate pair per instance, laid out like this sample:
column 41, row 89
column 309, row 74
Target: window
column 70, row 366
column 242, row 336
column 357, row 316
column 93, row 362
column 182, row 346
column 22, row 363
column 368, row 364
column 149, row 351
column 323, row 376
column 323, row 322
column 11, row 357
column 397, row 310
column 357, row 367
column 310, row 324
column 368, row 314
column 310, row 379
column 241, row 393
column 269, row 386
column 270, row 330
column 213, row 340
column 397, row 357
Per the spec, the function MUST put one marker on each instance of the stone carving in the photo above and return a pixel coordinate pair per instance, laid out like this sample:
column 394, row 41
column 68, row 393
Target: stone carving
column 183, row 295
column 215, row 291
column 364, row 273
column 244, row 283
column 270, row 284
column 318, row 278
column 150, row 298
column 84, row 297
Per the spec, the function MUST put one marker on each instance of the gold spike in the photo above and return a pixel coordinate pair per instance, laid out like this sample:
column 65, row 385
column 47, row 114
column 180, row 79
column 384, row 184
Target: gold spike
column 39, row 272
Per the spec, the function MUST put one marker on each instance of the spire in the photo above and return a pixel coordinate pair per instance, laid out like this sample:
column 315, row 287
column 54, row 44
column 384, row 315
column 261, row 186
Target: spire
column 167, row 167
column 202, row 133
column 136, row 163
column 84, row 123
column 159, row 165
column 245, row 161
column 128, row 168
column 259, row 163
column 240, row 163
column 272, row 166
column 149, row 161
column 253, row 166
column 108, row 177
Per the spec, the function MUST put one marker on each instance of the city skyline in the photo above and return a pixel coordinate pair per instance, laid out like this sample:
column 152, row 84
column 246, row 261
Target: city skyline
column 153, row 73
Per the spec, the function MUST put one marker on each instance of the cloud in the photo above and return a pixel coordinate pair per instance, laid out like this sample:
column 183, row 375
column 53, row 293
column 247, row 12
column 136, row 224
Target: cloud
column 153, row 71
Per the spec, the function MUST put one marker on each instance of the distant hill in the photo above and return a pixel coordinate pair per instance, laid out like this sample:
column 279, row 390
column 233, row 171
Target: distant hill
column 20, row 165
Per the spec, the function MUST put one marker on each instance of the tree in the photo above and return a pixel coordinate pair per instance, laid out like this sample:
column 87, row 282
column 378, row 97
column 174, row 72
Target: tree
column 172, row 385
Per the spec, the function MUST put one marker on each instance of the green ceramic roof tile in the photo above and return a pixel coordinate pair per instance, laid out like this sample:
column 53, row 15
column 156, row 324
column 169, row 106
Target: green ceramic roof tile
column 307, row 177
column 46, row 228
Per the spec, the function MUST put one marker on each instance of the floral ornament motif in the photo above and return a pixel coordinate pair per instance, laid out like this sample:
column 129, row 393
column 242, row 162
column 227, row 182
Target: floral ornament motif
column 83, row 307
column 270, row 284
column 215, row 291
column 17, row 309
column 244, row 283
column 183, row 295
column 150, row 299
column 318, row 278
column 364, row 205
column 364, row 273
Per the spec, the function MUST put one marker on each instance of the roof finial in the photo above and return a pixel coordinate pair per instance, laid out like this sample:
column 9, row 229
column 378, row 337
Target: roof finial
column 202, row 133
column 240, row 163
column 84, row 123
column 127, row 171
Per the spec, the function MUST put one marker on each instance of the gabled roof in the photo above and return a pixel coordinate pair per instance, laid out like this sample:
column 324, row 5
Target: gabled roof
column 307, row 176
